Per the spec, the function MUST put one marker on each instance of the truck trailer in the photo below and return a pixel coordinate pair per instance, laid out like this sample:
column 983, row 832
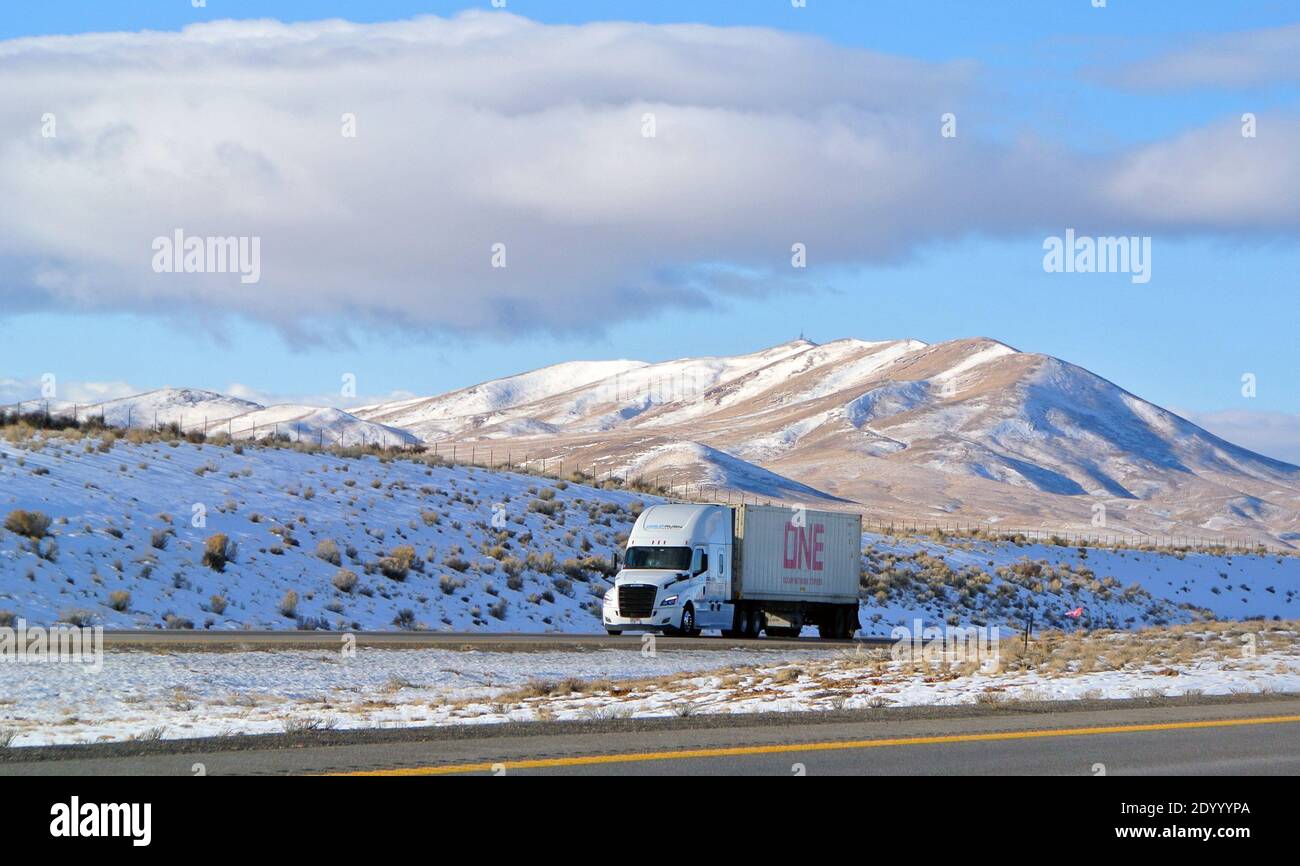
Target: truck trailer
column 742, row 570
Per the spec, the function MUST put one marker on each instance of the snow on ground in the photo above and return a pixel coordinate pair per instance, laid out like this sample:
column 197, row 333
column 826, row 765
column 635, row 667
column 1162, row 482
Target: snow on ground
column 452, row 545
column 976, row 582
column 467, row 549
column 194, row 694
column 190, row 694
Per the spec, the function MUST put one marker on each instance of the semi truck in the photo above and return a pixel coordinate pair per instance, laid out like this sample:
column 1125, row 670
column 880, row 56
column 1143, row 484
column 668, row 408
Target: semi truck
column 742, row 570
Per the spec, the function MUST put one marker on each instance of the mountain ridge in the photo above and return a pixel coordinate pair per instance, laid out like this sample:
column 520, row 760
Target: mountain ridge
column 970, row 428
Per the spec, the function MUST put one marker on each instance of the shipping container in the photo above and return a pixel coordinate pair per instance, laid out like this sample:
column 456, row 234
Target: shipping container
column 795, row 553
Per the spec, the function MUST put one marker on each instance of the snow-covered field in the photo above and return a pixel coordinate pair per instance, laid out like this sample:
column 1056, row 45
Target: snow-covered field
column 191, row 694
column 325, row 541
column 461, row 549
column 1001, row 584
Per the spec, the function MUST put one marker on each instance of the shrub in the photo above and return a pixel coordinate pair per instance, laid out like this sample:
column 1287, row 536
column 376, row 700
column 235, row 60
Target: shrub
column 289, row 604
column 216, row 552
column 217, row 604
column 398, row 562
column 329, row 551
column 158, row 538
column 405, row 618
column 456, row 563
column 7, row 618
column 29, row 524
column 177, row 623
column 77, row 617
column 344, row 580
column 119, row 600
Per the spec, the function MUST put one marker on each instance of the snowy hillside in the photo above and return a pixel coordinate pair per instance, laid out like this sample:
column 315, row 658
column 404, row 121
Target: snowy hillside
column 317, row 540
column 187, row 407
column 211, row 413
column 359, row 541
column 437, row 417
column 313, row 424
column 972, row 582
column 970, row 428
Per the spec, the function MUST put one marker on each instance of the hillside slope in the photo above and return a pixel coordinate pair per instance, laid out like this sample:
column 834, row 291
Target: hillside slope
column 463, row 549
column 967, row 428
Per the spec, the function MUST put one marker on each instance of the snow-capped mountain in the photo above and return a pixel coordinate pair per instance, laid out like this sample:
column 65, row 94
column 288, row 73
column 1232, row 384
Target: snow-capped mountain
column 187, row 407
column 210, row 412
column 445, row 415
column 314, row 424
column 967, row 429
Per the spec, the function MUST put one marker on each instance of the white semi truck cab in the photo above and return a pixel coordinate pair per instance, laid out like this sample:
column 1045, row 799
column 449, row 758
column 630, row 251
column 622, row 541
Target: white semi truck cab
column 742, row 570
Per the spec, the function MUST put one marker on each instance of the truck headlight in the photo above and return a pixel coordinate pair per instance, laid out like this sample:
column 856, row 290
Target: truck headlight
column 669, row 601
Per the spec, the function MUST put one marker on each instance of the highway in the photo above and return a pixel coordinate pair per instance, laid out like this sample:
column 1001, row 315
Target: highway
column 184, row 639
column 1210, row 737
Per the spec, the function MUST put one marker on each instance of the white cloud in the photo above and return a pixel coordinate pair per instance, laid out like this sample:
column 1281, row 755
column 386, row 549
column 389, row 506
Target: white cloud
column 1246, row 59
column 83, row 392
column 489, row 128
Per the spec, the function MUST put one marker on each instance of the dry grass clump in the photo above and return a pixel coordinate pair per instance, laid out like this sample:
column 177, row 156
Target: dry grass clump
column 216, row 551
column 29, row 524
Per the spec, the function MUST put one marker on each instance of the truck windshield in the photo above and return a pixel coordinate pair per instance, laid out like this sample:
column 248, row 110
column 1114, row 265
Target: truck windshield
column 673, row 558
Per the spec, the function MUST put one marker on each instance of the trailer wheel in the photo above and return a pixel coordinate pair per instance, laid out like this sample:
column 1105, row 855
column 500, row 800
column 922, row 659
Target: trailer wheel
column 832, row 625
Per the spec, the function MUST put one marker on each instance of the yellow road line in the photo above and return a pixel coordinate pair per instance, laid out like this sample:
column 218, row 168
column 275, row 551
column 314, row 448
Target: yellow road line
column 637, row 757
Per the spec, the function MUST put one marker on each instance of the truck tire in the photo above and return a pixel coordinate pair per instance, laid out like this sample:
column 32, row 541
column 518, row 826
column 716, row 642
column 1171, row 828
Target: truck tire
column 745, row 623
column 832, row 625
column 688, row 628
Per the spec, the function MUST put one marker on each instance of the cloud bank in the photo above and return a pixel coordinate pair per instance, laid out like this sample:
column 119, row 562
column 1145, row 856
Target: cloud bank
column 489, row 129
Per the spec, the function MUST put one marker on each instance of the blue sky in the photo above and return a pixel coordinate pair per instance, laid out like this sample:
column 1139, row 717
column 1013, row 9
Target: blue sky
column 1222, row 300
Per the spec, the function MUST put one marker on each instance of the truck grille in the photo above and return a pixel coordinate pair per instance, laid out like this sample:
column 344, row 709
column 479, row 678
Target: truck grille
column 636, row 601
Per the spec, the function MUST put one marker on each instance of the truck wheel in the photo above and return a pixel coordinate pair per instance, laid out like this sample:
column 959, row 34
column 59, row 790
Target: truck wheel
column 753, row 623
column 831, row 626
column 688, row 628
column 742, row 622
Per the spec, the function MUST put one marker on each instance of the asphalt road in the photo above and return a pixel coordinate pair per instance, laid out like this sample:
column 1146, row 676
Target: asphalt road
column 246, row 640
column 1224, row 736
